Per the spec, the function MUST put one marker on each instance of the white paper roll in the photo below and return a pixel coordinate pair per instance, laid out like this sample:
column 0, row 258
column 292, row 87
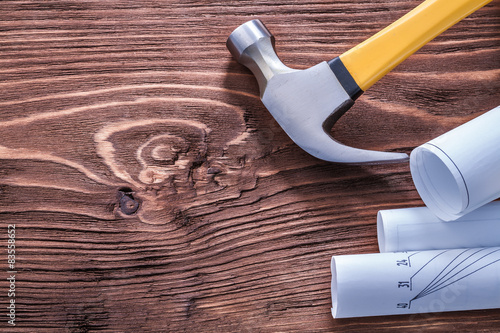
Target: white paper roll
column 411, row 229
column 415, row 282
column 459, row 171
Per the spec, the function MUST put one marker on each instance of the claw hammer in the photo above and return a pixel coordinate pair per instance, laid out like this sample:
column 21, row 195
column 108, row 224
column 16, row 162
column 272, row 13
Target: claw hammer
column 307, row 103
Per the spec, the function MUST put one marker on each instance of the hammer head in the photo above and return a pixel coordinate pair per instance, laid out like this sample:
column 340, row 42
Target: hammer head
column 306, row 103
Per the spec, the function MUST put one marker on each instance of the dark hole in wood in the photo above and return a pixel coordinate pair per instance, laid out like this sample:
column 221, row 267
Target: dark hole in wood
column 128, row 204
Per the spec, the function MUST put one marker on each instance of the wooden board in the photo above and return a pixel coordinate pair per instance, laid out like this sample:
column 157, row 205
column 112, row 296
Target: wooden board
column 151, row 190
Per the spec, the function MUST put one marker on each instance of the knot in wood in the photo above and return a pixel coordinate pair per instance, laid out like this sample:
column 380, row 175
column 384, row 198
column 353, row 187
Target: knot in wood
column 128, row 205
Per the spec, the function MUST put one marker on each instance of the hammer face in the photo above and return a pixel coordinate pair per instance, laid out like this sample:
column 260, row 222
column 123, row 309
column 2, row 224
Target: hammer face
column 306, row 104
column 252, row 45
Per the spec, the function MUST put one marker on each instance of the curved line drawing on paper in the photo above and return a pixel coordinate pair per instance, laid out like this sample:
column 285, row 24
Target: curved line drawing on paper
column 463, row 265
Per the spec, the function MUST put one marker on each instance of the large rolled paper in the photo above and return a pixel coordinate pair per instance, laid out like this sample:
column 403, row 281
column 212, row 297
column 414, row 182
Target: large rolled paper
column 415, row 282
column 412, row 229
column 459, row 171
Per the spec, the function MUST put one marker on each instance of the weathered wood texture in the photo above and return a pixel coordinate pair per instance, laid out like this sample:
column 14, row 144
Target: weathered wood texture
column 105, row 101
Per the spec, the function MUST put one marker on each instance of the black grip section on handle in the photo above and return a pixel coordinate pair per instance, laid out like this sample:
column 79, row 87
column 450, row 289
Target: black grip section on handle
column 345, row 78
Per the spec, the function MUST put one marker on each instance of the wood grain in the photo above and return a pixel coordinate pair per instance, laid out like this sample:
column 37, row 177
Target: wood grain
column 110, row 104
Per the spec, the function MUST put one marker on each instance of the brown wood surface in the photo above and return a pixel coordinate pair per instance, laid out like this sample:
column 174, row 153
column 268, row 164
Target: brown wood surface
column 106, row 104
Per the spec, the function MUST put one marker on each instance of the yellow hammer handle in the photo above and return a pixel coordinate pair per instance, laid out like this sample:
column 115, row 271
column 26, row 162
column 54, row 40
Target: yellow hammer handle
column 369, row 61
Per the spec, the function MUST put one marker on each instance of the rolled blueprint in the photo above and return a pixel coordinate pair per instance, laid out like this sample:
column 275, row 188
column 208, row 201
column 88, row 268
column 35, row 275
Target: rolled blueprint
column 412, row 229
column 459, row 171
column 415, row 282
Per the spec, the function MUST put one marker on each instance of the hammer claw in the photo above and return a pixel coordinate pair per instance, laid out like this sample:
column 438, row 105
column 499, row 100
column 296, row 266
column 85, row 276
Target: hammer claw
column 334, row 151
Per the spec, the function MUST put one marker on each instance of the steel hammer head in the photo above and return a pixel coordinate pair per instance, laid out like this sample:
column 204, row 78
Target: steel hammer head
column 306, row 103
